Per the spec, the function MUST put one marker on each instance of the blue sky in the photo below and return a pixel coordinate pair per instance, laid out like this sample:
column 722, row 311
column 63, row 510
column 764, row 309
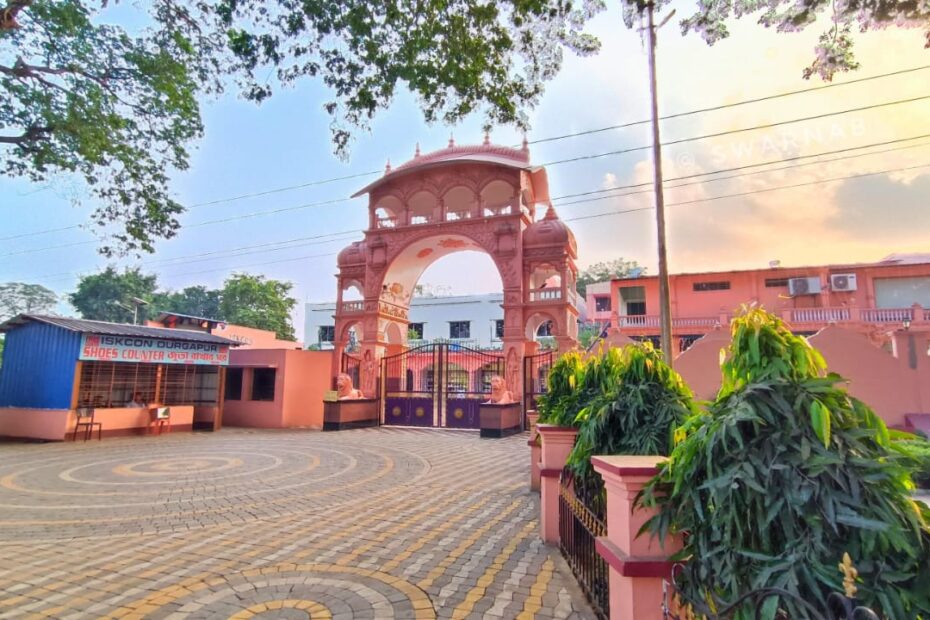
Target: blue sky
column 286, row 141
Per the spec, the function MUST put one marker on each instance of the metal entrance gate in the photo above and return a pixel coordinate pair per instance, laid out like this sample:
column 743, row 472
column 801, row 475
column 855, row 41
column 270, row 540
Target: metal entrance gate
column 440, row 384
column 535, row 377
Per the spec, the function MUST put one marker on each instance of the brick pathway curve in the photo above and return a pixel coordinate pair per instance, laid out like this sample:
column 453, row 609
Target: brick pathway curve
column 373, row 523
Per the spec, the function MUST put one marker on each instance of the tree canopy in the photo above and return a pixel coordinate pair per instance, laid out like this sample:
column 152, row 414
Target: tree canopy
column 119, row 109
column 256, row 302
column 607, row 270
column 107, row 296
column 20, row 297
column 247, row 300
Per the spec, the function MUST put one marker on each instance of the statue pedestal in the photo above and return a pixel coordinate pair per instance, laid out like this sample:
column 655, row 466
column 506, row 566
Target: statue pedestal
column 500, row 420
column 342, row 414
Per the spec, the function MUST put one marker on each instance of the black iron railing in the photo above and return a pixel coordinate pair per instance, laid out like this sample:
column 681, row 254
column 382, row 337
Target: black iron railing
column 579, row 528
column 836, row 607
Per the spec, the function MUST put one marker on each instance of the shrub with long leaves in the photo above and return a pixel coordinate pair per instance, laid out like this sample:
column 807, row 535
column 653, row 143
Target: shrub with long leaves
column 638, row 414
column 574, row 383
column 783, row 474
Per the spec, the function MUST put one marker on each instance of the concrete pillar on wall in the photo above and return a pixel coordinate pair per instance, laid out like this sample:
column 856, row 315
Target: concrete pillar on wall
column 638, row 564
column 557, row 442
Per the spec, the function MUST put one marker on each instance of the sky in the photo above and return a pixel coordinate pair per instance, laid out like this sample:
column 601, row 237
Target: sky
column 285, row 141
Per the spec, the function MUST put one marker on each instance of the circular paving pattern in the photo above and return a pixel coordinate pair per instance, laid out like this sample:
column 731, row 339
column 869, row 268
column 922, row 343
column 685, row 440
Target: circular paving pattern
column 294, row 591
column 185, row 481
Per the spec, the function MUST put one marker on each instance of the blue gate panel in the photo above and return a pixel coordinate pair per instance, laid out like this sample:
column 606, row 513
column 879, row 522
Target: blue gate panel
column 38, row 366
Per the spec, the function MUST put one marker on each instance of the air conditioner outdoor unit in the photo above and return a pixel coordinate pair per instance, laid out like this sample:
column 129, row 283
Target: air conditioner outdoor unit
column 803, row 286
column 843, row 281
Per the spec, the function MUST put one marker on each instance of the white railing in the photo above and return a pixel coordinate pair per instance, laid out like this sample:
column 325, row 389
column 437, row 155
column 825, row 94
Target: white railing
column 420, row 219
column 454, row 216
column 819, row 315
column 386, row 222
column 545, row 294
column 696, row 321
column 886, row 315
column 353, row 306
column 640, row 320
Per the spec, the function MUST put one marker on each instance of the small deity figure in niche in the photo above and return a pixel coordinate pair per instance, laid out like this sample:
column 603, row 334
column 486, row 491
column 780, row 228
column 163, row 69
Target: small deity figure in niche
column 500, row 395
column 344, row 388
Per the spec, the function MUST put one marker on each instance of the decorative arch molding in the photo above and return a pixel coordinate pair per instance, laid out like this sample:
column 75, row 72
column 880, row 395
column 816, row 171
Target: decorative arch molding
column 394, row 256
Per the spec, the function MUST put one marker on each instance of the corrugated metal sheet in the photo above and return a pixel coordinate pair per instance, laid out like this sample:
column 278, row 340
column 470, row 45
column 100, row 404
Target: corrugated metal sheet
column 38, row 366
column 83, row 326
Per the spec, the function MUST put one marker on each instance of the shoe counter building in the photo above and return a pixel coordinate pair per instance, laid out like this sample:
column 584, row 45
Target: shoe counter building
column 869, row 298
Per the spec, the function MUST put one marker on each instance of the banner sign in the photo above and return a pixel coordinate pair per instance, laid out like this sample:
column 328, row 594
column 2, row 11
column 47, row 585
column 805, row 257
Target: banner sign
column 151, row 350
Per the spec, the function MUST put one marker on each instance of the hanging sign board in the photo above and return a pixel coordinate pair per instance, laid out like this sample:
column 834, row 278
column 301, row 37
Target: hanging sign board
column 105, row 348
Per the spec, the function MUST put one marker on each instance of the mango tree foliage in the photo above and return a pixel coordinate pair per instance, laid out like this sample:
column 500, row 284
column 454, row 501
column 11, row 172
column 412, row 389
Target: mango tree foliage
column 107, row 296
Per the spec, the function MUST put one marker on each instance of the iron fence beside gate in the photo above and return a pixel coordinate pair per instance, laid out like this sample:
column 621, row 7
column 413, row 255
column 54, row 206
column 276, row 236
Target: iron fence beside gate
column 535, row 377
column 350, row 365
column 579, row 528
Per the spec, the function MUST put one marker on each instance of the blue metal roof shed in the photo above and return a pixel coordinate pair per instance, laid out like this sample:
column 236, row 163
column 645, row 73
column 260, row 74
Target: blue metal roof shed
column 41, row 353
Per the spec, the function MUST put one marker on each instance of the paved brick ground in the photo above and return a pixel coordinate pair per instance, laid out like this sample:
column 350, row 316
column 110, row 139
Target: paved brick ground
column 374, row 523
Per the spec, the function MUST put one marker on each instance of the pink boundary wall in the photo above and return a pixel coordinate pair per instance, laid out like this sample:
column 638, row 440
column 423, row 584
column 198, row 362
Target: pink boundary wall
column 57, row 424
column 301, row 380
column 896, row 387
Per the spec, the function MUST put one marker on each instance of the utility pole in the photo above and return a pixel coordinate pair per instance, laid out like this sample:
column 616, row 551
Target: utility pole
column 665, row 313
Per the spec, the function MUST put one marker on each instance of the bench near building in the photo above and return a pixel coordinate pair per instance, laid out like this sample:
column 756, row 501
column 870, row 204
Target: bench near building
column 53, row 366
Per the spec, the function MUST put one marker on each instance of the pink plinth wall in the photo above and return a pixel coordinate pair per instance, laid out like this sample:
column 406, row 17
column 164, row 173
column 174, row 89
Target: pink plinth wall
column 57, row 424
column 557, row 442
column 535, row 449
column 638, row 564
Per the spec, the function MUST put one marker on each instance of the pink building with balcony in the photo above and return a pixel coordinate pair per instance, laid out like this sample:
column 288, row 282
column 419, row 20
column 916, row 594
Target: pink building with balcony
column 871, row 298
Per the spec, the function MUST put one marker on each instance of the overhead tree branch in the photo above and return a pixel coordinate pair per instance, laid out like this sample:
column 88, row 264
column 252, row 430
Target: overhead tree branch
column 9, row 13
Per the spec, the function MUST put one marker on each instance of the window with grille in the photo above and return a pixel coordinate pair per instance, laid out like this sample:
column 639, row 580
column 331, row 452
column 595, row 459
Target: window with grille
column 233, row 384
column 327, row 333
column 113, row 384
column 602, row 304
column 263, row 383
column 499, row 328
column 710, row 286
column 415, row 331
column 459, row 329
column 776, row 282
column 636, row 308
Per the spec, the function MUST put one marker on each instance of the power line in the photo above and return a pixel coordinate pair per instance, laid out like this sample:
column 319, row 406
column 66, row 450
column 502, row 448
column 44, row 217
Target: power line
column 730, row 132
column 732, row 176
column 537, row 141
column 747, row 193
column 729, row 105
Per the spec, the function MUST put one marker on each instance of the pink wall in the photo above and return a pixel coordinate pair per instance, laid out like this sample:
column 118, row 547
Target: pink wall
column 884, row 382
column 57, row 424
column 301, row 378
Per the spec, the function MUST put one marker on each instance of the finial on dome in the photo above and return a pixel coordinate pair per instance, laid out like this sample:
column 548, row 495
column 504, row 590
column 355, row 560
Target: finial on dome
column 416, row 153
column 526, row 145
column 487, row 137
column 387, row 167
column 451, row 140
column 550, row 213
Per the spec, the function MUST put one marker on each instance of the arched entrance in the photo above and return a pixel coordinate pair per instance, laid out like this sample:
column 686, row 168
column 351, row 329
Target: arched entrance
column 471, row 198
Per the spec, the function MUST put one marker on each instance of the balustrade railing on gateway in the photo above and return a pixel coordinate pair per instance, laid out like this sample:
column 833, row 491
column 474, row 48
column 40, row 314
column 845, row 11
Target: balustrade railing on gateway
column 579, row 527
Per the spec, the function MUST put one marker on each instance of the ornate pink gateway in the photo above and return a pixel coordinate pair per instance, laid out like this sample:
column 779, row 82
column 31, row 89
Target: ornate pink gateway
column 483, row 197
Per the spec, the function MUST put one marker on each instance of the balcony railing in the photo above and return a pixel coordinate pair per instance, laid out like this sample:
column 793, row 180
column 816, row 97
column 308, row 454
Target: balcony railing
column 545, row 294
column 386, row 222
column 819, row 315
column 887, row 315
column 640, row 320
column 353, row 306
